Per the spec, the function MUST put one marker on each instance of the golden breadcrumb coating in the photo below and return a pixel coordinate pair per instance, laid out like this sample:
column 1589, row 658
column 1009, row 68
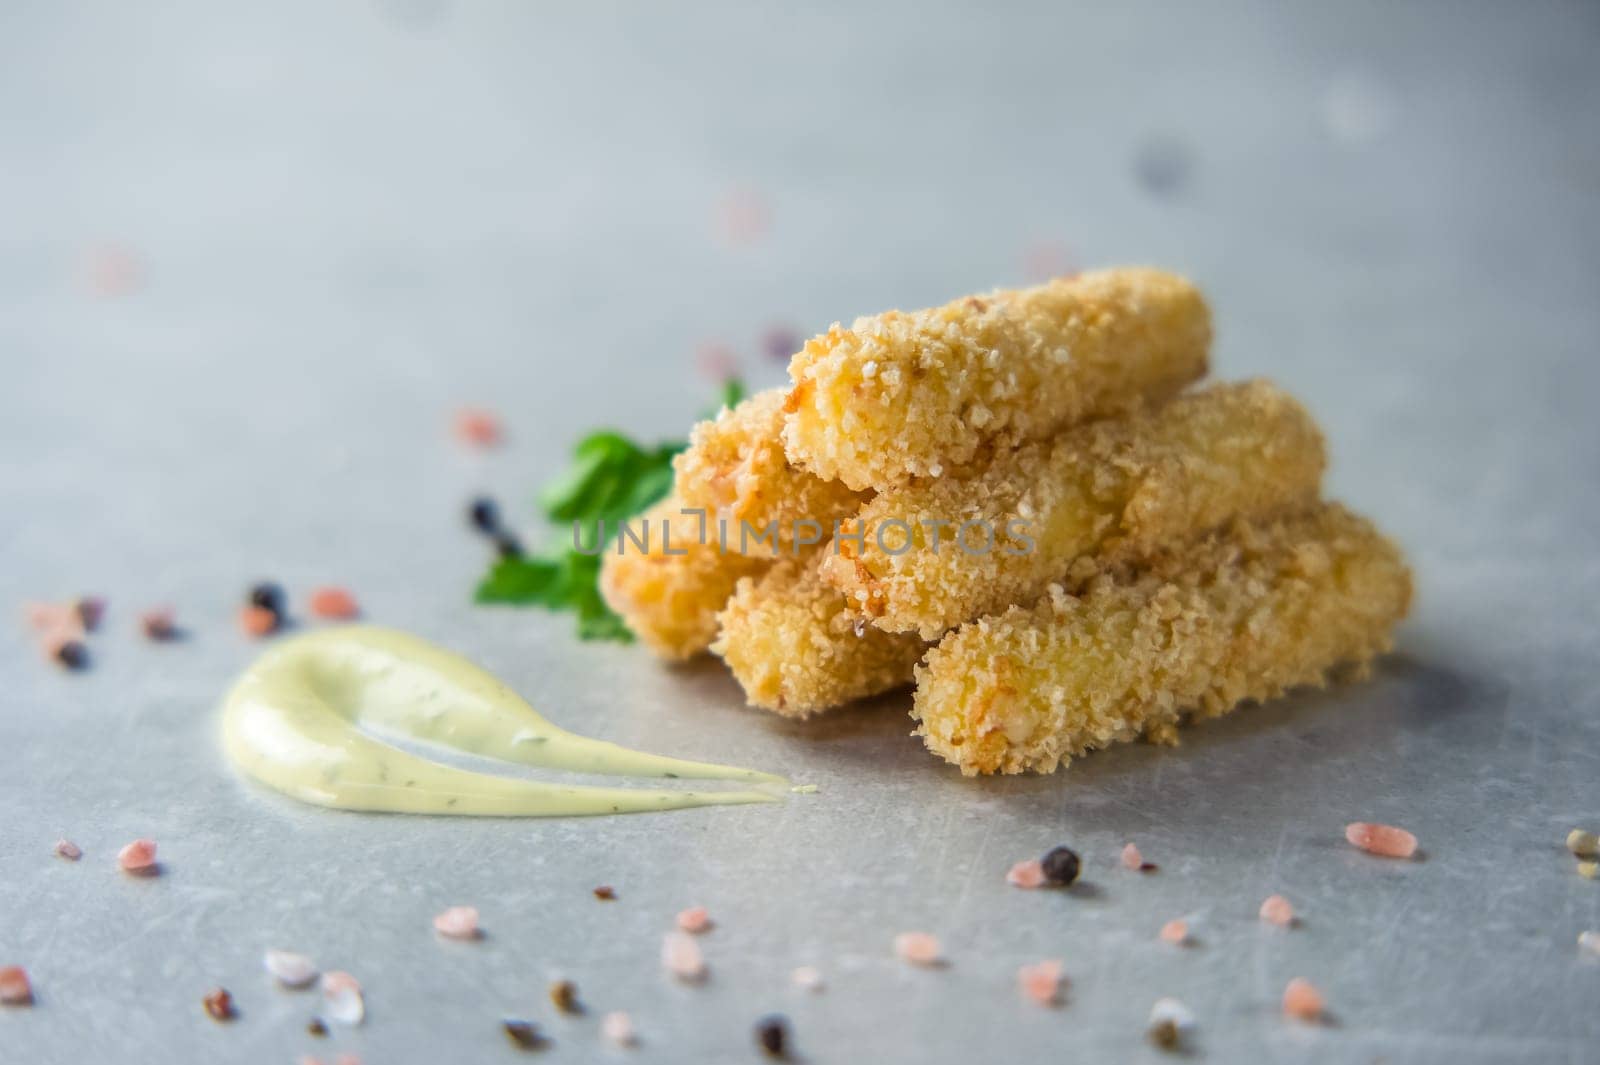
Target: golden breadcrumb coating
column 904, row 394
column 735, row 469
column 1112, row 488
column 1246, row 613
column 796, row 649
column 670, row 601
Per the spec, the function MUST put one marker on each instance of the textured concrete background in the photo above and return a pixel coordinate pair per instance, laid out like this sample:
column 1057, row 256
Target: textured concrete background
column 331, row 223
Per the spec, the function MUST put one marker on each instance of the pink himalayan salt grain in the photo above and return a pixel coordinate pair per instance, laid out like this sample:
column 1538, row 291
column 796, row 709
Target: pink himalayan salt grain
column 159, row 624
column 341, row 998
column 742, row 216
column 53, row 617
column 289, row 969
column 1275, row 909
column 1302, row 1000
column 694, row 920
column 680, row 956
column 257, row 621
column 617, row 1028
column 1386, row 841
column 918, row 948
column 15, row 990
column 139, row 858
column 69, row 850
column 473, row 425
column 458, row 922
column 334, row 604
column 716, row 361
column 1131, row 858
column 1041, row 981
column 1175, row 932
column 1029, row 874
column 807, row 978
column 112, row 270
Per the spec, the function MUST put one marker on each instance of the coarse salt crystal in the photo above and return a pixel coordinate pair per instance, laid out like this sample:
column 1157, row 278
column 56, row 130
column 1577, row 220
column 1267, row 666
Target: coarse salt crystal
column 1302, row 1000
column 257, row 621
column 918, row 948
column 69, row 850
column 807, row 978
column 617, row 1028
column 138, row 857
column 1041, row 981
column 1589, row 941
column 475, row 426
column 694, row 920
column 290, row 969
column 1131, row 858
column 1384, row 840
column 1275, row 909
column 159, row 624
column 334, row 604
column 15, row 990
column 341, row 998
column 458, row 922
column 1028, row 874
column 680, row 956
column 1170, row 1021
column 1175, row 932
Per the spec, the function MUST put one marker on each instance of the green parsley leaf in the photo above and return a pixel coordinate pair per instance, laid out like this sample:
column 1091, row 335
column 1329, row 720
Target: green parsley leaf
column 611, row 478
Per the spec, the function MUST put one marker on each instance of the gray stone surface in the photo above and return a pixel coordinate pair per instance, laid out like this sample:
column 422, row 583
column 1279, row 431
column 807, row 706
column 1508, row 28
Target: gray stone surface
column 351, row 217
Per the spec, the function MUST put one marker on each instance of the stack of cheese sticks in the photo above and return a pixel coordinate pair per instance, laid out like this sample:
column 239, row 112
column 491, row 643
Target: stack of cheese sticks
column 1017, row 502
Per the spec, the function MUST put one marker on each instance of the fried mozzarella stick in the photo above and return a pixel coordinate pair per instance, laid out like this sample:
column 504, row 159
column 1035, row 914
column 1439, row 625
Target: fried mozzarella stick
column 932, row 554
column 796, row 649
column 669, row 591
column 1246, row 613
column 736, row 470
column 904, row 394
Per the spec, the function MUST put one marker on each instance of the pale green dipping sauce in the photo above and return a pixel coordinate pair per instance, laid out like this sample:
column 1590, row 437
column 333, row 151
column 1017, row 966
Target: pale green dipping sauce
column 291, row 721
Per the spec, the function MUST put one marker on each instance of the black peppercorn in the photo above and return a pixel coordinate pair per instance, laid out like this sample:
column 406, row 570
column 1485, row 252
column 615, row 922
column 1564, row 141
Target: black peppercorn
column 1061, row 866
column 564, row 994
column 772, row 1035
column 508, row 546
column 524, row 1035
column 316, row 1027
column 267, row 596
column 485, row 515
column 72, row 654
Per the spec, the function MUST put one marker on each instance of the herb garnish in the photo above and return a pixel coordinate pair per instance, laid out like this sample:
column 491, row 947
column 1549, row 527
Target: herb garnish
column 611, row 478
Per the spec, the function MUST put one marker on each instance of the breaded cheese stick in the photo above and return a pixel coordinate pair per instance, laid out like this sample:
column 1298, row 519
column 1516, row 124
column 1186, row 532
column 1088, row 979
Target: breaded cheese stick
column 903, row 394
column 670, row 600
column 796, row 649
column 1110, row 489
column 1246, row 613
column 736, row 470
